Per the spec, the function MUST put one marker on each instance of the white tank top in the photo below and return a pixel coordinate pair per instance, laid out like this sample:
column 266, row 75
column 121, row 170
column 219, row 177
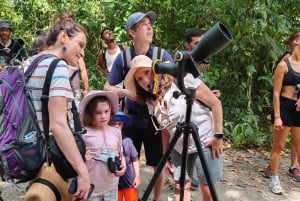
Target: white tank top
column 110, row 58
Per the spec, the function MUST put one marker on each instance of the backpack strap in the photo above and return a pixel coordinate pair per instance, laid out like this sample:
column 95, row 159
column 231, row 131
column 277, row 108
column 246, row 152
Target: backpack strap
column 45, row 100
column 155, row 53
column 121, row 47
column 74, row 74
column 103, row 56
column 127, row 56
column 34, row 64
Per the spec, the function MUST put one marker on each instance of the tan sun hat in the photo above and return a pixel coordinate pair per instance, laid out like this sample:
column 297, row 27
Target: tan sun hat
column 39, row 191
column 111, row 96
column 140, row 61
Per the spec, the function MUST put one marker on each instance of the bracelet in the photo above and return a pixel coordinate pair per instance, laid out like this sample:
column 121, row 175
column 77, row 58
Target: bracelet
column 218, row 135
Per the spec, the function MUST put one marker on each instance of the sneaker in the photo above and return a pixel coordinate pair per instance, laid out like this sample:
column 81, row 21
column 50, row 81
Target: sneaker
column 268, row 173
column 276, row 188
column 295, row 173
column 195, row 183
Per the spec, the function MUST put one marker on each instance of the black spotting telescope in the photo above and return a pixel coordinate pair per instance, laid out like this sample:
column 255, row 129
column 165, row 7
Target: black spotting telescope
column 213, row 41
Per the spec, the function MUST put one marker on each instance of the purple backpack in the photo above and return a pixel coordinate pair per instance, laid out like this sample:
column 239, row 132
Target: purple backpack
column 22, row 144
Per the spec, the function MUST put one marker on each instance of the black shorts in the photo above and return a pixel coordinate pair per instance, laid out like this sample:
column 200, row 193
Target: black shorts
column 152, row 143
column 290, row 117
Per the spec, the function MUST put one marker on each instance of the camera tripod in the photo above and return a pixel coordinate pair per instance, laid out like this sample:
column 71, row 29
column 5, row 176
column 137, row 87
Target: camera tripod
column 186, row 128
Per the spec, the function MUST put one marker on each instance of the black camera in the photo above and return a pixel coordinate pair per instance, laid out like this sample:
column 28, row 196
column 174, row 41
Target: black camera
column 114, row 165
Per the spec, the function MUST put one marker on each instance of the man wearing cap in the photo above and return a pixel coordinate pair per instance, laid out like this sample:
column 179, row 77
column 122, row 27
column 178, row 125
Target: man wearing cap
column 141, row 131
column 10, row 48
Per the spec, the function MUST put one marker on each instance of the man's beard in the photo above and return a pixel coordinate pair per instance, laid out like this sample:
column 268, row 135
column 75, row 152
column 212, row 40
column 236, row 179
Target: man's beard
column 5, row 37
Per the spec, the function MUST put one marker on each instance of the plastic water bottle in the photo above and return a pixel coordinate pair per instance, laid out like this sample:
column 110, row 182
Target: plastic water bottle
column 30, row 137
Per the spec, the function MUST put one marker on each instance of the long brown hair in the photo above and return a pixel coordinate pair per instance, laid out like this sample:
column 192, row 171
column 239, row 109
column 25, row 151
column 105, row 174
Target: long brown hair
column 166, row 82
column 64, row 22
column 290, row 40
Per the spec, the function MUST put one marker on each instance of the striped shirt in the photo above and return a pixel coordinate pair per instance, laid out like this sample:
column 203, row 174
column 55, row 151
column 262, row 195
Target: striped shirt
column 60, row 86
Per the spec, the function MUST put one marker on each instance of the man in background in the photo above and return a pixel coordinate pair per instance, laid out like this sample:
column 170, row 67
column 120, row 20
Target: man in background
column 10, row 48
column 141, row 131
column 109, row 53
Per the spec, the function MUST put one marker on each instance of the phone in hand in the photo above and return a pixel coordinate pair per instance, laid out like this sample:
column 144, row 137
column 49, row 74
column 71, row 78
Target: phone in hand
column 73, row 187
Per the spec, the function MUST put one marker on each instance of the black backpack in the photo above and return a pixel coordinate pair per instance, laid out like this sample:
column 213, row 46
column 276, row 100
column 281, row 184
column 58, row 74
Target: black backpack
column 129, row 54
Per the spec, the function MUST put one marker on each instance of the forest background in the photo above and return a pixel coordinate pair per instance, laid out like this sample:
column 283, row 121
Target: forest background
column 242, row 71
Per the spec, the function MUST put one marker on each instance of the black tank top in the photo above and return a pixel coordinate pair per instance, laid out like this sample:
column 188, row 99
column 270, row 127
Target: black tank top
column 292, row 77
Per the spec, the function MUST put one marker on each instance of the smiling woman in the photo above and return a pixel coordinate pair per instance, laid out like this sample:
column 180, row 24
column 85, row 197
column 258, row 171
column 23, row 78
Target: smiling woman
column 168, row 105
column 66, row 40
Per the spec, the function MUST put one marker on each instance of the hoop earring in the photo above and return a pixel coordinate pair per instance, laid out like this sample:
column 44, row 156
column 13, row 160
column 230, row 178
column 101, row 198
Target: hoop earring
column 64, row 48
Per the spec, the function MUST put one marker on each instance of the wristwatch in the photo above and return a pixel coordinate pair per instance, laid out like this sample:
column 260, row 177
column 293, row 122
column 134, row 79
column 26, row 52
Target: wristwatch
column 218, row 135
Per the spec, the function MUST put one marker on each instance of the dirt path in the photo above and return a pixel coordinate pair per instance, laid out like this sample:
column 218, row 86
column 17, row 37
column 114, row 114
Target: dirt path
column 242, row 180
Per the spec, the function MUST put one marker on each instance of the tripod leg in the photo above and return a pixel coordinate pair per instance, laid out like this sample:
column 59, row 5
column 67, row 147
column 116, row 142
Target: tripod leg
column 183, row 162
column 160, row 166
column 204, row 163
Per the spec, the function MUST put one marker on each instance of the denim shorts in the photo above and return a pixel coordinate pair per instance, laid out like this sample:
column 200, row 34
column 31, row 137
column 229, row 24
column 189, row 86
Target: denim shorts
column 215, row 166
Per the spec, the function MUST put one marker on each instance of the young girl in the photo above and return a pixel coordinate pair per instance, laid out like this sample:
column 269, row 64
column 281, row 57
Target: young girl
column 103, row 144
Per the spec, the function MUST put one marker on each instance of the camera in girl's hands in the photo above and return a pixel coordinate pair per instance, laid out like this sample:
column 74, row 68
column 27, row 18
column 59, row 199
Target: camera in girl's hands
column 114, row 165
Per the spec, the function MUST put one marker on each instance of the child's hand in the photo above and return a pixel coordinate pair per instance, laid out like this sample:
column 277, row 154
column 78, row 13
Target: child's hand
column 120, row 172
column 136, row 182
column 88, row 155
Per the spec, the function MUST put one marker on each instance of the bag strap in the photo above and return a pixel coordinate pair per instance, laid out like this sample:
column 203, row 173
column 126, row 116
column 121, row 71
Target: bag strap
column 74, row 74
column 121, row 47
column 103, row 57
column 45, row 100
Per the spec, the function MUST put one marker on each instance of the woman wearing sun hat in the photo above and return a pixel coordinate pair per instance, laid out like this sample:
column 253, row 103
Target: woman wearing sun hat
column 169, row 110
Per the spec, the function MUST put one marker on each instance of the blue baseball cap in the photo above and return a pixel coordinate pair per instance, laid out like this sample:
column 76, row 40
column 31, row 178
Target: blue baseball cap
column 122, row 117
column 134, row 18
column 5, row 24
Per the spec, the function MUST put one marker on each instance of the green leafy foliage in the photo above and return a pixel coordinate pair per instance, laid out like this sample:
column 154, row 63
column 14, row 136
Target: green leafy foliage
column 242, row 71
